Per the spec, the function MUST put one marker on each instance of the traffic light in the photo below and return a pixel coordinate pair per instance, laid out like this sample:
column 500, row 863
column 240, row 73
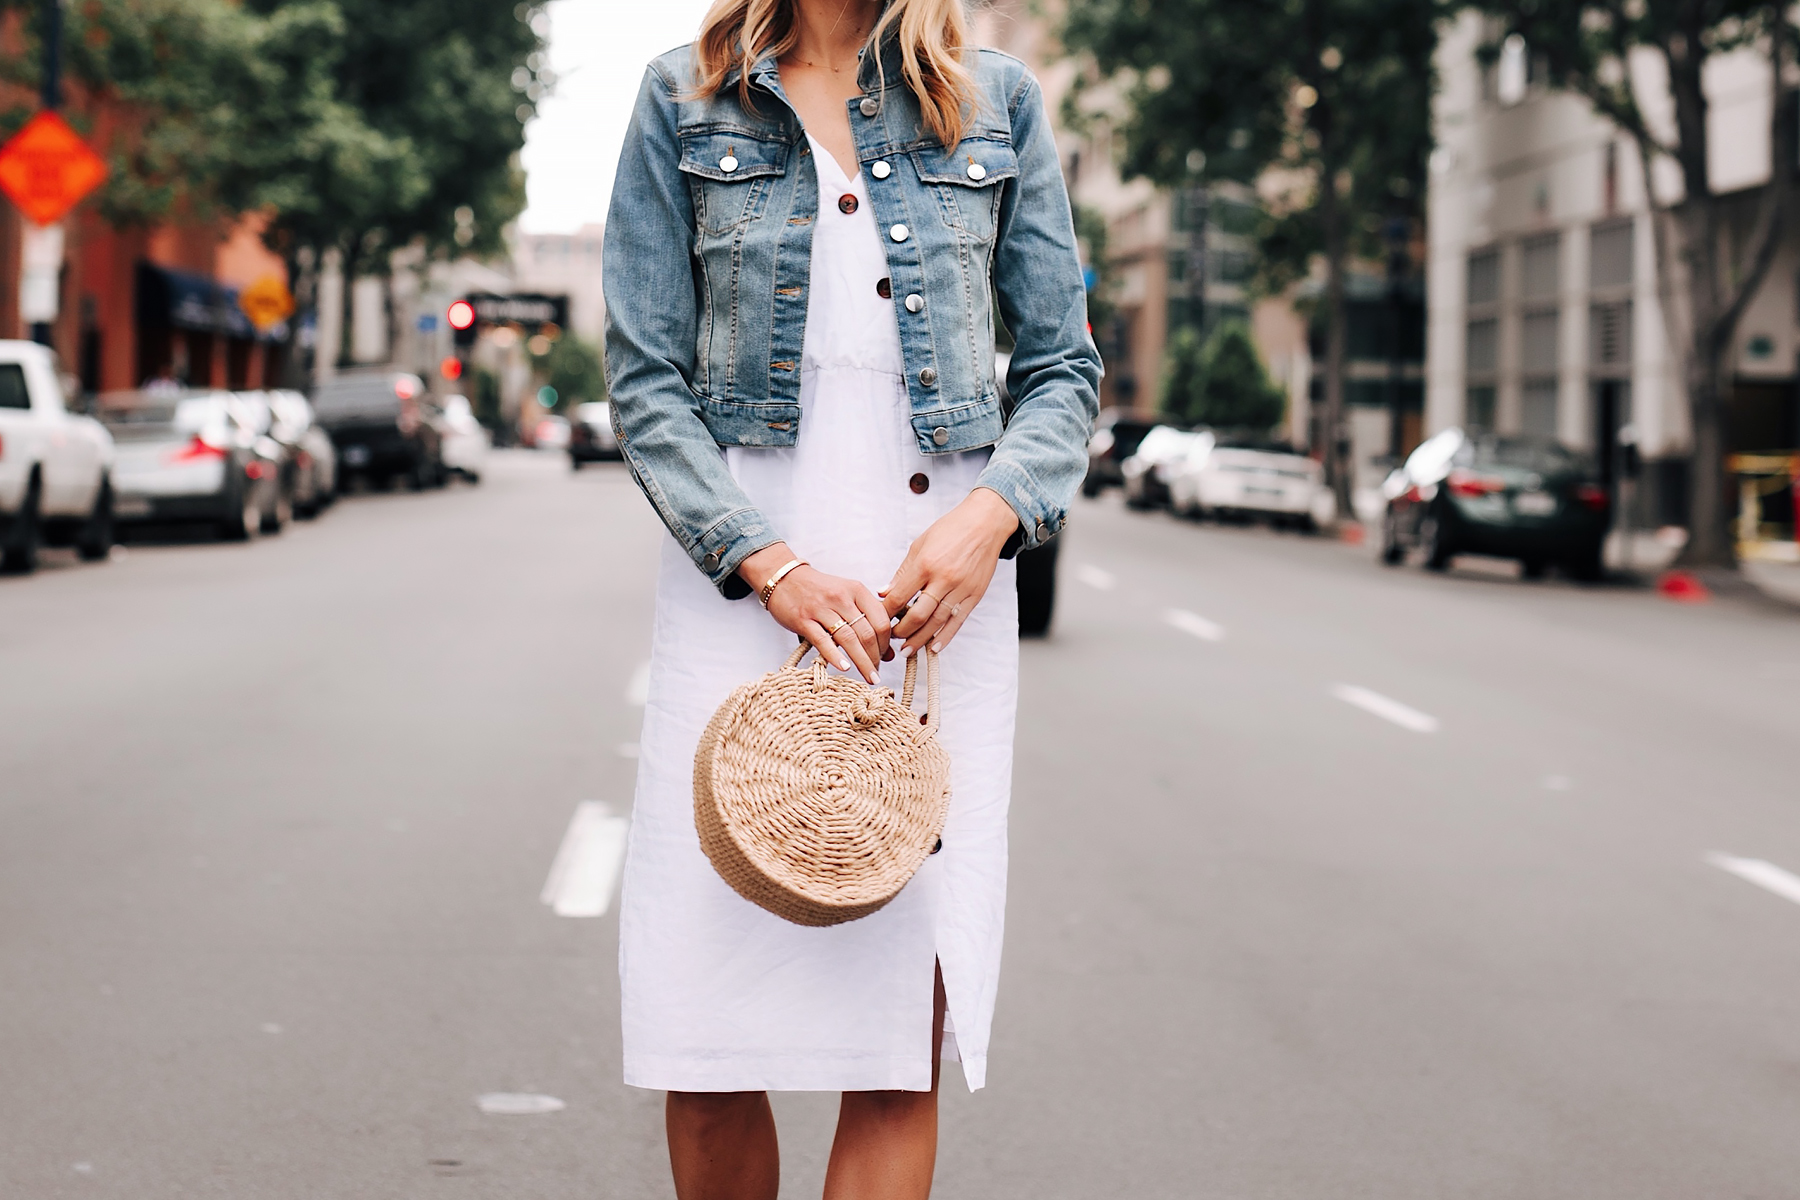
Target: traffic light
column 461, row 316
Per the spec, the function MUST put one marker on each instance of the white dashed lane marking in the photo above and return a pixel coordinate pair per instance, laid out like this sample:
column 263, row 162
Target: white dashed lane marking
column 1194, row 624
column 1098, row 578
column 1385, row 708
column 517, row 1104
column 587, row 864
column 1765, row 875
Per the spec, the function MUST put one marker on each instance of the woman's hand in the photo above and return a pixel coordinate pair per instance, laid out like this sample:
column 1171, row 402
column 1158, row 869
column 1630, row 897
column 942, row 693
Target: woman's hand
column 842, row 618
column 948, row 569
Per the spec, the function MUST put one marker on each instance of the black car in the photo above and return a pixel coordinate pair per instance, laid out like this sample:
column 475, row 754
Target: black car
column 591, row 436
column 382, row 429
column 1116, row 438
column 1528, row 498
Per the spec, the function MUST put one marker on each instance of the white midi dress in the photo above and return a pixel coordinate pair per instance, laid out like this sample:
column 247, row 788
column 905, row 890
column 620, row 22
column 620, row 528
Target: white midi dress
column 719, row 995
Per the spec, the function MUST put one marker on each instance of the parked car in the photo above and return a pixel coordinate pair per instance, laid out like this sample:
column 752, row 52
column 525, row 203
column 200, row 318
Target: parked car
column 379, row 424
column 311, row 475
column 1226, row 479
column 1117, row 435
column 591, row 437
column 1147, row 471
column 55, row 466
column 465, row 440
column 194, row 457
column 551, row 433
column 1527, row 498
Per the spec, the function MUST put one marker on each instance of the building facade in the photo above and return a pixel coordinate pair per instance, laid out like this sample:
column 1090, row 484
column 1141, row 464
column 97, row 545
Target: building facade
column 1545, row 315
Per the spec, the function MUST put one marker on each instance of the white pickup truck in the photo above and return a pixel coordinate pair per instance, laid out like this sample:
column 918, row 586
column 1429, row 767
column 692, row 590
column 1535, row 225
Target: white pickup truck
column 55, row 465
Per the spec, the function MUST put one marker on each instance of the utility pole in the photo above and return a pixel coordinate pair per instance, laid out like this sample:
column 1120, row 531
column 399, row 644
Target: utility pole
column 42, row 251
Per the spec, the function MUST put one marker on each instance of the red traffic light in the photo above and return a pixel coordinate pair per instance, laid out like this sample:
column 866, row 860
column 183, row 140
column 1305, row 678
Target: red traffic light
column 451, row 368
column 461, row 315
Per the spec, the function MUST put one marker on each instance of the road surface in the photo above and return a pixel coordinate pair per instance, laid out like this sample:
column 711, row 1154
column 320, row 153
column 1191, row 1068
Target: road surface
column 1329, row 880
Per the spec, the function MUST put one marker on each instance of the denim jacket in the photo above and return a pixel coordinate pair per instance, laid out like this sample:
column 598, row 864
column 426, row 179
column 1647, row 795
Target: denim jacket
column 708, row 245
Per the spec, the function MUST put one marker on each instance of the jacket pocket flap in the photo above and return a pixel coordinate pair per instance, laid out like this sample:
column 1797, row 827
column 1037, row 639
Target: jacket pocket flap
column 976, row 162
column 729, row 157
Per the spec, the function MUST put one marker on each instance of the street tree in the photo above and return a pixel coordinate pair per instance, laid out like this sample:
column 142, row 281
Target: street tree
column 1708, row 266
column 1220, row 382
column 1324, row 103
column 573, row 368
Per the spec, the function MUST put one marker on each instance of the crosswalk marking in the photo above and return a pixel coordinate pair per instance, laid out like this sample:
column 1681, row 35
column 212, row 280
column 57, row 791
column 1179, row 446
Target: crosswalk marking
column 1194, row 624
column 1765, row 875
column 587, row 863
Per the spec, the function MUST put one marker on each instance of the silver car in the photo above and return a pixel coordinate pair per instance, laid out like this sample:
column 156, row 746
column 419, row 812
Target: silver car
column 194, row 457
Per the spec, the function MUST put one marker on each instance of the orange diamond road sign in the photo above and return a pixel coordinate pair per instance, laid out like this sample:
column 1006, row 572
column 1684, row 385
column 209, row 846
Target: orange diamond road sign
column 46, row 168
column 267, row 302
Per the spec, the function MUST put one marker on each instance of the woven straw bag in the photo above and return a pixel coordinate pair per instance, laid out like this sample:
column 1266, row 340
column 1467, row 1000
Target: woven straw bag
column 817, row 796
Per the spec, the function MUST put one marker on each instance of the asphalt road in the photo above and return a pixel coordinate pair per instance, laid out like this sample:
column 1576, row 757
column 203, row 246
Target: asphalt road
column 1329, row 880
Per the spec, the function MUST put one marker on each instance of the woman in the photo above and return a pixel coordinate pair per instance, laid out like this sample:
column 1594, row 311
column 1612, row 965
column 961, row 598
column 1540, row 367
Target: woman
column 816, row 201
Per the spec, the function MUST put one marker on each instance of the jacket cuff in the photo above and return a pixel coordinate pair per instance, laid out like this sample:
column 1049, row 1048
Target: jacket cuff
column 1039, row 521
column 722, row 549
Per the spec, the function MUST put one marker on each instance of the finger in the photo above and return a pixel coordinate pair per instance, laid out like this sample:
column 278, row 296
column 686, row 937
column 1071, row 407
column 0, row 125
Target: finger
column 907, row 581
column 953, row 625
column 828, row 650
column 847, row 637
column 929, row 630
column 873, row 626
column 918, row 615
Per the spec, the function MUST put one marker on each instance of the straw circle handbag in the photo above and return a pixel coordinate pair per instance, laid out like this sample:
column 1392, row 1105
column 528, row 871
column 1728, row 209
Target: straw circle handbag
column 816, row 796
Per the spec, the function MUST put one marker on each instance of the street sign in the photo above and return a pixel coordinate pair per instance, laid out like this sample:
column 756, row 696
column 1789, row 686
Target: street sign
column 267, row 302
column 46, row 169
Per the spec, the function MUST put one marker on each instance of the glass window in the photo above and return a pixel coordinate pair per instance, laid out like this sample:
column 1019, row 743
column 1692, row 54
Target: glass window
column 1539, row 268
column 1539, row 342
column 13, row 393
column 1480, row 409
column 1537, row 410
column 1484, row 277
column 1484, row 345
column 1609, row 262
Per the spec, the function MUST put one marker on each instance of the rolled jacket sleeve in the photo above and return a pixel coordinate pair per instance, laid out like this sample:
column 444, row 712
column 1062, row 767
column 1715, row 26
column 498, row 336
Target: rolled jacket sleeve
column 651, row 325
column 1055, row 371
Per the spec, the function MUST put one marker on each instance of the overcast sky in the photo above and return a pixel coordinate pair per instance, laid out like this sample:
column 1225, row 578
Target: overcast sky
column 598, row 49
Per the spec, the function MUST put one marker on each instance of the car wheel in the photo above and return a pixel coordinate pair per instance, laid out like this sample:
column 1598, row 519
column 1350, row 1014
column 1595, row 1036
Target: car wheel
column 275, row 518
column 19, row 553
column 95, row 541
column 1533, row 568
column 1434, row 531
column 245, row 519
column 1588, row 566
column 1037, row 589
column 574, row 463
column 472, row 477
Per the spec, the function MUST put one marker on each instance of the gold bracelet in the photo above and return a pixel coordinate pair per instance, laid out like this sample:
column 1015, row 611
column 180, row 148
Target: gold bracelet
column 768, row 589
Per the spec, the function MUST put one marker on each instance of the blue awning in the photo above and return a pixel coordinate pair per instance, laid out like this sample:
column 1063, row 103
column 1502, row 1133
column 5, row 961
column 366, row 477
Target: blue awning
column 182, row 300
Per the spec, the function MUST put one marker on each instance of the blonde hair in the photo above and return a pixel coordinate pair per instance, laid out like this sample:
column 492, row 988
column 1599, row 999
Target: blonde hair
column 931, row 35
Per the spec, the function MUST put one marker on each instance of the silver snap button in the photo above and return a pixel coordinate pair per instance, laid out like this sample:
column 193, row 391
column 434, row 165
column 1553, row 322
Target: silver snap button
column 899, row 233
column 711, row 561
column 1043, row 532
column 977, row 171
column 728, row 164
column 880, row 169
column 915, row 302
column 940, row 435
column 928, row 377
column 869, row 106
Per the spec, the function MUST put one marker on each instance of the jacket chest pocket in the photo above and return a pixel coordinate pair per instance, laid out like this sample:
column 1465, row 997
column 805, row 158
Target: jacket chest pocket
column 967, row 182
column 730, row 175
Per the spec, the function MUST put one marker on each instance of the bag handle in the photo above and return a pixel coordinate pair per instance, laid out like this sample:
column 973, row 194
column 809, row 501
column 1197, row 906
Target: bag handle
column 906, row 690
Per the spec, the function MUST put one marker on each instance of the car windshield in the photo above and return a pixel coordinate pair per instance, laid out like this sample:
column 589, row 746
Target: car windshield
column 1521, row 453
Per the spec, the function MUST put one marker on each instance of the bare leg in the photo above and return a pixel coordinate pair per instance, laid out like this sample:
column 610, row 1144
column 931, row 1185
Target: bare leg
column 722, row 1146
column 886, row 1145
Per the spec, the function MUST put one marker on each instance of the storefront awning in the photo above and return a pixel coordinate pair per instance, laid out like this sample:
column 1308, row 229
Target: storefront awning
column 172, row 299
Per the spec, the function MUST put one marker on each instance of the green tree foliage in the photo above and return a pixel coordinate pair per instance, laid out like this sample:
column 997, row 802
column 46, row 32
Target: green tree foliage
column 1219, row 383
column 1336, row 93
column 574, row 369
column 1715, row 265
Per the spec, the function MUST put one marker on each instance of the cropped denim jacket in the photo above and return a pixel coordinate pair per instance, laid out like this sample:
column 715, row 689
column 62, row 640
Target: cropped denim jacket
column 708, row 246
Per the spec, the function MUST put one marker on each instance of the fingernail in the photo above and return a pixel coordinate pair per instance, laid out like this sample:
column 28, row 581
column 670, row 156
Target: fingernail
column 937, row 647
column 843, row 664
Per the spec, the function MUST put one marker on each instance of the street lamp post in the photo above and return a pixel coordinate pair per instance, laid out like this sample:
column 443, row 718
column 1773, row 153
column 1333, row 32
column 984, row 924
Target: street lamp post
column 1399, row 264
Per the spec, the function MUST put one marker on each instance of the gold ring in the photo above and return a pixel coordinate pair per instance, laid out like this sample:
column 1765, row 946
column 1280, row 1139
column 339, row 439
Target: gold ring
column 934, row 599
column 863, row 617
column 832, row 632
column 954, row 609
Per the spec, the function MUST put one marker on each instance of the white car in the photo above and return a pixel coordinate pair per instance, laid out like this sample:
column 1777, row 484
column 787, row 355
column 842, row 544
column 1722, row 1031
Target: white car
column 1244, row 482
column 466, row 441
column 55, row 466
column 1147, row 471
